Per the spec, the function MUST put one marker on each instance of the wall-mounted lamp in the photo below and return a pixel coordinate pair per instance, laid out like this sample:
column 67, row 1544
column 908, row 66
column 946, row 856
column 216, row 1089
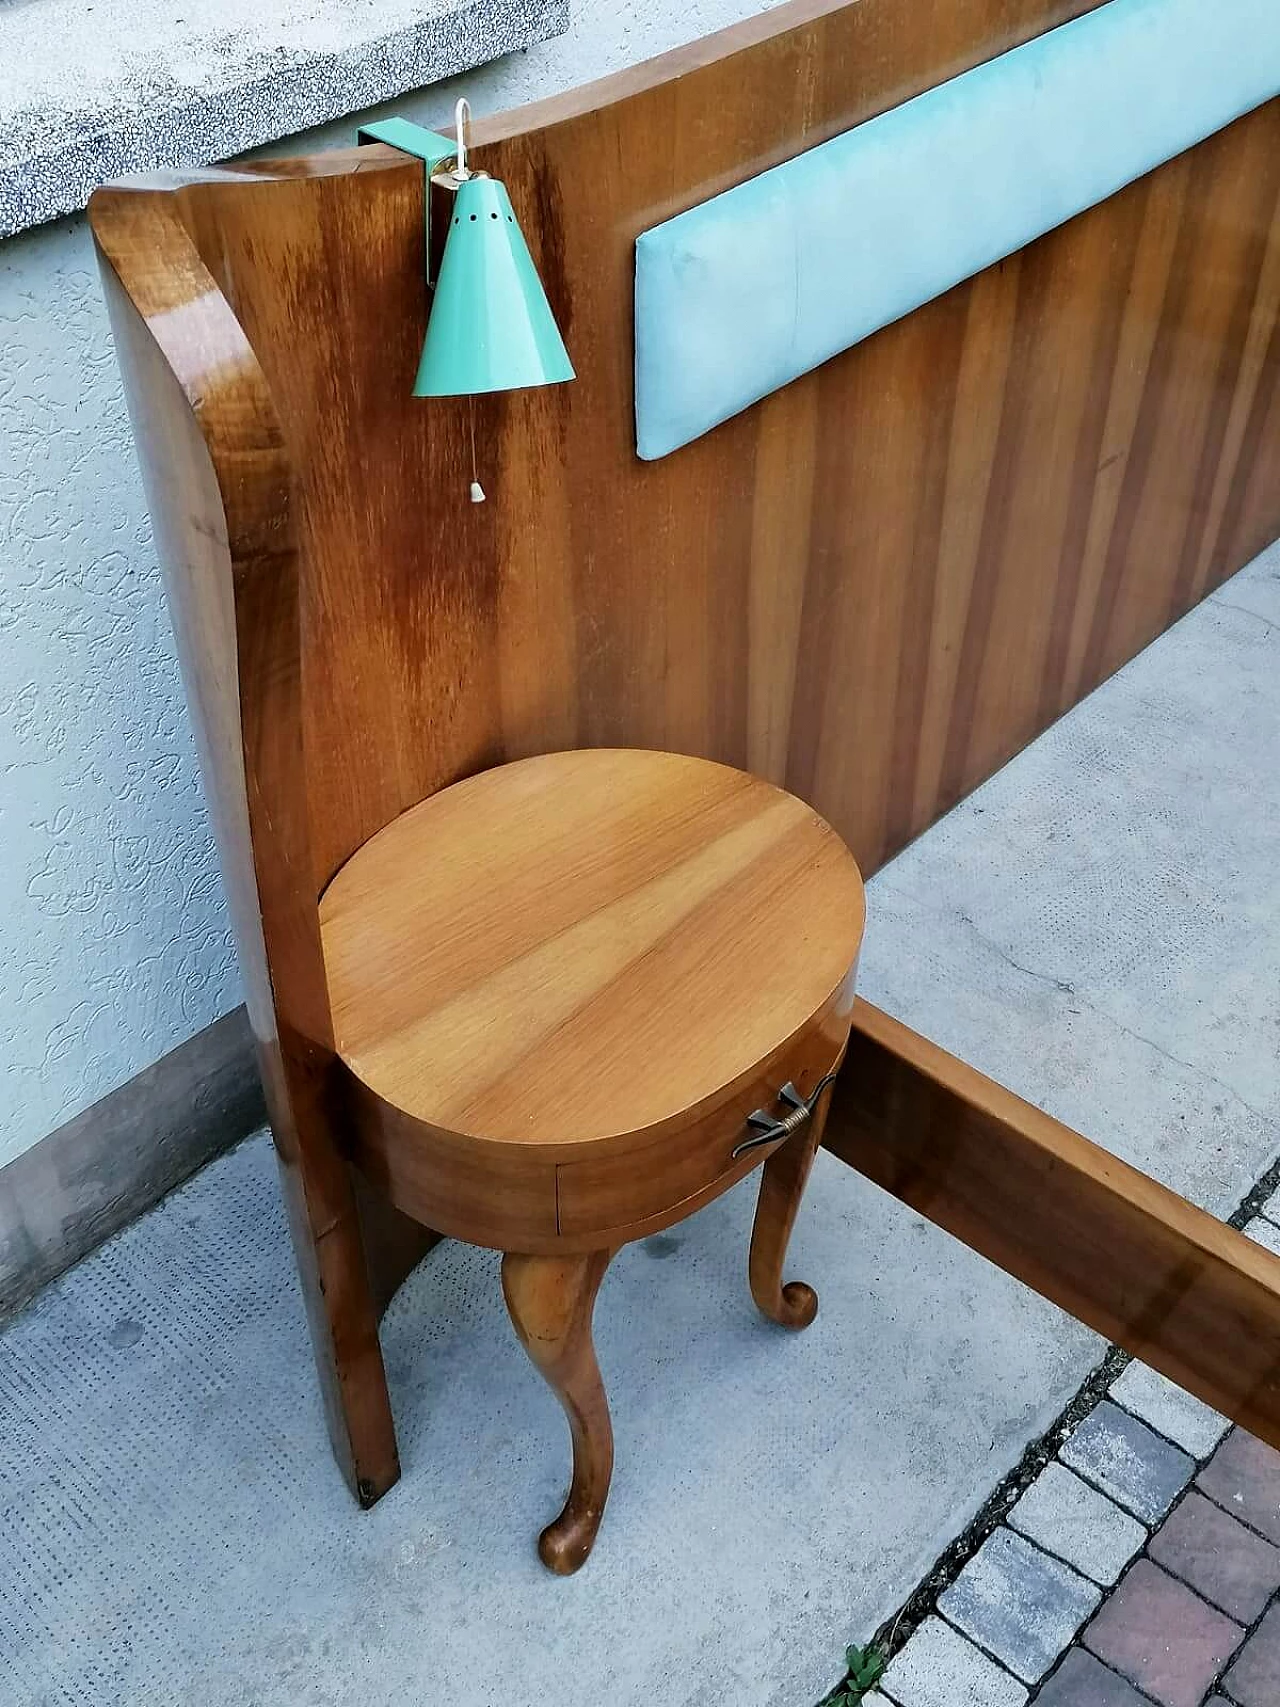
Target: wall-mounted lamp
column 489, row 324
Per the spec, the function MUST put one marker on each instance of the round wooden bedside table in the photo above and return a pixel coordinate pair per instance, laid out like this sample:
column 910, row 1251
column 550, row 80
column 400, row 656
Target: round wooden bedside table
column 577, row 997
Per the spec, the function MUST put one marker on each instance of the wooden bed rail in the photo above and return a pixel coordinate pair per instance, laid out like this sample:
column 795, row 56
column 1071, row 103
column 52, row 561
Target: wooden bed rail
column 1116, row 1249
column 1122, row 1253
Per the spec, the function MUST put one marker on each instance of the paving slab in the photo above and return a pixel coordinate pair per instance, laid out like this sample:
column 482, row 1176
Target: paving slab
column 1169, row 1409
column 1083, row 1681
column 1075, row 1522
column 1141, row 969
column 90, row 92
column 162, row 1450
column 1019, row 1603
column 938, row 1667
column 1265, row 1233
column 1140, row 1469
column 1256, row 589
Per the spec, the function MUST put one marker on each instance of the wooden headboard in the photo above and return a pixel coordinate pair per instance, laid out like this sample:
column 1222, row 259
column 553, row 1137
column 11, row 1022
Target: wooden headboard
column 876, row 585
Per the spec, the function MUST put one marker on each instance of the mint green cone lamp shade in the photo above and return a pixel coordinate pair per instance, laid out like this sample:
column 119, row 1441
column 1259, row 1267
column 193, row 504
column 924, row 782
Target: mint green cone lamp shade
column 491, row 327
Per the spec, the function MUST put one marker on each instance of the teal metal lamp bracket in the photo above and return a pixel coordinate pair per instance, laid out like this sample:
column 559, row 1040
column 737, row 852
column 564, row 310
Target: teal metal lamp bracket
column 425, row 145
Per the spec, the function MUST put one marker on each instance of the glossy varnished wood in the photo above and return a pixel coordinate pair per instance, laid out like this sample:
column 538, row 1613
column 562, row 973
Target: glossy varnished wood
column 500, row 959
column 225, row 573
column 920, row 554
column 790, row 1303
column 551, row 1300
column 872, row 588
column 1147, row 1269
column 562, row 984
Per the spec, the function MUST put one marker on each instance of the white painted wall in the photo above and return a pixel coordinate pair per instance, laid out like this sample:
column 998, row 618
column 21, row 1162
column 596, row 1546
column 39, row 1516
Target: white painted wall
column 114, row 944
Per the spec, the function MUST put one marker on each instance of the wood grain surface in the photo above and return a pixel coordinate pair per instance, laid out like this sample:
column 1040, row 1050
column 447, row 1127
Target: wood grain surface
column 872, row 588
column 1168, row 1282
column 561, row 986
column 790, row 1303
column 205, row 426
column 585, row 945
column 551, row 1300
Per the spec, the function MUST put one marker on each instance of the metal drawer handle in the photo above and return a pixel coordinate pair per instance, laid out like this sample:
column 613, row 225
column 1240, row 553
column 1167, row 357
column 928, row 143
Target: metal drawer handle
column 770, row 1127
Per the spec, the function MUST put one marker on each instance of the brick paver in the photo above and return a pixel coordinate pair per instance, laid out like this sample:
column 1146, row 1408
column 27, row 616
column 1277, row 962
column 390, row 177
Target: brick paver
column 1254, row 1678
column 1222, row 1560
column 1139, row 1468
column 1194, row 1620
column 1021, row 1605
column 1075, row 1522
column 1188, row 1422
column 939, row 1668
column 1082, row 1681
column 1162, row 1637
column 1243, row 1477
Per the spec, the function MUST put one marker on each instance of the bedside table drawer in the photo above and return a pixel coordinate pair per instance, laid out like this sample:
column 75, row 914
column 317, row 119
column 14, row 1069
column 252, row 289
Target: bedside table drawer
column 655, row 1179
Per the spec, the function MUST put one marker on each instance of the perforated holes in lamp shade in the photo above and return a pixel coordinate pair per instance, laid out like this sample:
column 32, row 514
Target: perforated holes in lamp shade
column 491, row 327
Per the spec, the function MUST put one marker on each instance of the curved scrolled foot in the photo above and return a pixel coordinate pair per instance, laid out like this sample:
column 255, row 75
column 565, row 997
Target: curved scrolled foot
column 550, row 1301
column 795, row 1307
column 782, row 1184
column 565, row 1543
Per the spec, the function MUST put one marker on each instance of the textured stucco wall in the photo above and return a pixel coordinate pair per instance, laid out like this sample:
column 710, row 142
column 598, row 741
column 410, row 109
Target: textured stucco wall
column 113, row 937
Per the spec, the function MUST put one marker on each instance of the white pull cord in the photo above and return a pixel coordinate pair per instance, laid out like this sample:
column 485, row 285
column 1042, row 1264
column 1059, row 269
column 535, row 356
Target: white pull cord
column 477, row 490
column 461, row 125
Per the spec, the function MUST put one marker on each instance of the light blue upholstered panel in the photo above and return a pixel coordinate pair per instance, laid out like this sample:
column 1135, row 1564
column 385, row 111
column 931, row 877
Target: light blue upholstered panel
column 745, row 293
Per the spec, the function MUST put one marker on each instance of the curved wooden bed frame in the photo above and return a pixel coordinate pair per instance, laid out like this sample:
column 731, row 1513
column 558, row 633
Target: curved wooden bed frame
column 873, row 587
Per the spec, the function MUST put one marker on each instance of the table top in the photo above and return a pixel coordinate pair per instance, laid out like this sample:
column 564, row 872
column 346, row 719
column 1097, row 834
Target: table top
column 586, row 943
